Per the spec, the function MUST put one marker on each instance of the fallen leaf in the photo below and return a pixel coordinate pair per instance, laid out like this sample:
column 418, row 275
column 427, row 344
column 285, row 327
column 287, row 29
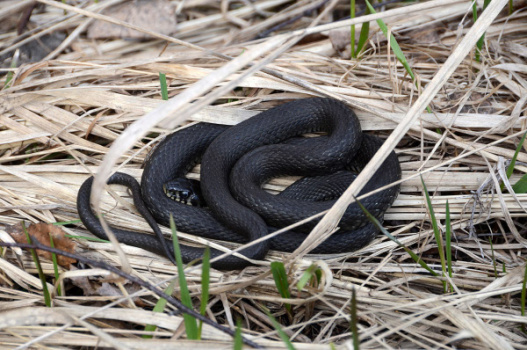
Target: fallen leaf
column 42, row 233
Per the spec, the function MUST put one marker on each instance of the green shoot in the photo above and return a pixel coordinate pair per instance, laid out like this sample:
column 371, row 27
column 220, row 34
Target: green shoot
column 493, row 258
column 238, row 342
column 393, row 43
column 191, row 327
column 9, row 75
column 354, row 320
column 352, row 35
column 94, row 239
column 396, row 48
column 521, row 185
column 36, row 260
column 8, row 78
column 364, row 33
column 55, row 264
column 205, row 284
column 510, row 168
column 311, row 274
column 63, row 223
column 281, row 282
column 395, row 240
column 523, row 295
column 159, row 307
column 448, row 238
column 480, row 41
column 511, row 7
column 280, row 332
column 164, row 89
column 479, row 44
column 437, row 232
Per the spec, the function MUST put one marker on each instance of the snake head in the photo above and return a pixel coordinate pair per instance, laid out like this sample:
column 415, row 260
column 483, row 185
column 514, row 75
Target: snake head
column 184, row 191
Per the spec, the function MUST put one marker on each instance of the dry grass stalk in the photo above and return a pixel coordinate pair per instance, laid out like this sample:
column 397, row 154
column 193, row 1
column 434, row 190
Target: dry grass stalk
column 95, row 109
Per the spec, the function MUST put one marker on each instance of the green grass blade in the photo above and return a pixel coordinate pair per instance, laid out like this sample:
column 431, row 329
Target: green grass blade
column 523, row 296
column 9, row 75
column 354, row 320
column 364, row 34
column 352, row 33
column 312, row 272
column 479, row 47
column 55, row 264
column 280, row 332
column 159, row 307
column 395, row 240
column 94, row 239
column 510, row 168
column 474, row 11
column 481, row 40
column 8, row 79
column 511, row 7
column 191, row 327
column 205, row 284
column 437, row 232
column 479, row 43
column 163, row 83
column 62, row 223
column 396, row 49
column 521, row 185
column 393, row 43
column 493, row 258
column 36, row 260
column 281, row 282
column 448, row 238
column 238, row 342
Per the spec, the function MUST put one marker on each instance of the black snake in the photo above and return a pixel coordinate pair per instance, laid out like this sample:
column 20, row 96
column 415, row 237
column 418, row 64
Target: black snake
column 236, row 161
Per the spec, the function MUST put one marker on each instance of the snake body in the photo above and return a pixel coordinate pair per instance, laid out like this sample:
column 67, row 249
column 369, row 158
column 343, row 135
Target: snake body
column 236, row 161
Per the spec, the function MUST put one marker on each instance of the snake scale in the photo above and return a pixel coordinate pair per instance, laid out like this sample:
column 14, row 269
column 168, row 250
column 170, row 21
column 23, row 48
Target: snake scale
column 235, row 163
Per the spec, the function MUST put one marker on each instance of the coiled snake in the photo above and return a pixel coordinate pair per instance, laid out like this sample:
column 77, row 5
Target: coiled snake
column 236, row 161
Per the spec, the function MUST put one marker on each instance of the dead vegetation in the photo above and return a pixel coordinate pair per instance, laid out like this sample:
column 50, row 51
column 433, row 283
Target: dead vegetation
column 93, row 106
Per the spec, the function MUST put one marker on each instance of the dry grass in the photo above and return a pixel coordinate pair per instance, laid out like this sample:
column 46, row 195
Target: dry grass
column 95, row 108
